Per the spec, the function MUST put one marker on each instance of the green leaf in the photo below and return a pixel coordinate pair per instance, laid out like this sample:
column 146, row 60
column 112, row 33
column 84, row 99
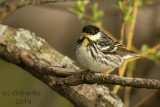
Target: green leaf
column 79, row 10
column 94, row 8
column 153, row 55
column 158, row 53
column 155, row 58
column 100, row 13
column 127, row 12
column 144, row 48
column 120, row 2
column 129, row 18
column 82, row 5
column 96, row 14
column 86, row 2
column 79, row 3
column 81, row 15
column 75, row 11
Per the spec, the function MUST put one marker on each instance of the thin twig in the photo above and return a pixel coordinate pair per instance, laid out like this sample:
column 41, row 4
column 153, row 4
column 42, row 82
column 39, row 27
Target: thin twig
column 127, row 90
column 130, row 36
column 151, row 50
column 122, row 31
column 132, row 25
column 123, row 23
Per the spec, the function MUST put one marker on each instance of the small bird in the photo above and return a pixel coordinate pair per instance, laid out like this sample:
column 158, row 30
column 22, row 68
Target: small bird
column 97, row 52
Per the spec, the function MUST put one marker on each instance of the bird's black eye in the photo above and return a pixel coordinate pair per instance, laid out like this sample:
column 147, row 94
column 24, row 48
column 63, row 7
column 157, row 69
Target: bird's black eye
column 90, row 29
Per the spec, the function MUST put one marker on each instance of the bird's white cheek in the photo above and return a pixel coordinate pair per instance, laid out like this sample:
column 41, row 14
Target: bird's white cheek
column 95, row 37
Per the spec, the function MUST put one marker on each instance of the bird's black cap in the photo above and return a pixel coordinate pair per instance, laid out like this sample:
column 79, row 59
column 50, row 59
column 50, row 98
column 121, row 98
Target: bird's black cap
column 90, row 29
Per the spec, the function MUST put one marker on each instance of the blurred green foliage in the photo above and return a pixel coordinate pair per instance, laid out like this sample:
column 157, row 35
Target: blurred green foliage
column 96, row 13
column 154, row 55
column 80, row 10
column 127, row 8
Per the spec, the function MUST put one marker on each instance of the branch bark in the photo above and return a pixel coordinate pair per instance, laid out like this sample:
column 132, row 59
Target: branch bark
column 7, row 7
column 74, row 77
column 32, row 53
column 92, row 78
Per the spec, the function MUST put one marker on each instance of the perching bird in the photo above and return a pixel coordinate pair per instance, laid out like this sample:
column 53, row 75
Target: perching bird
column 97, row 52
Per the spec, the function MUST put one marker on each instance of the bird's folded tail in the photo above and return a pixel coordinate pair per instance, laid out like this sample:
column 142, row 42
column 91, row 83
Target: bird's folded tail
column 134, row 55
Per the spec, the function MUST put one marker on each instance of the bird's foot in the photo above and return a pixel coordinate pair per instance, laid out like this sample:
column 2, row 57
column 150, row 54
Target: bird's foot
column 105, row 74
column 84, row 72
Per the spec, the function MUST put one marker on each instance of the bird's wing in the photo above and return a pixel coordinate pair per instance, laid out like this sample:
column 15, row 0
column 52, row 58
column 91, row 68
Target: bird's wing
column 108, row 46
column 118, row 49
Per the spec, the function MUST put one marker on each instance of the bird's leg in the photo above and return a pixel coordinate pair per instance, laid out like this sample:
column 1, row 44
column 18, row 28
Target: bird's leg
column 105, row 74
column 84, row 72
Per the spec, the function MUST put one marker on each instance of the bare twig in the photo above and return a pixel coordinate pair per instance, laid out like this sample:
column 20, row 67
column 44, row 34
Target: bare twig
column 122, row 31
column 152, row 49
column 132, row 25
column 129, row 42
column 127, row 90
